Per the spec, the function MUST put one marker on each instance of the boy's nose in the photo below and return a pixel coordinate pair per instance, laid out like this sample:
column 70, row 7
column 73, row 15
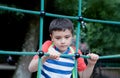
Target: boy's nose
column 62, row 40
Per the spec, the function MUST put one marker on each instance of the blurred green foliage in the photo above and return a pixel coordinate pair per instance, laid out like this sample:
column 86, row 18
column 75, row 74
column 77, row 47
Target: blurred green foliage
column 103, row 38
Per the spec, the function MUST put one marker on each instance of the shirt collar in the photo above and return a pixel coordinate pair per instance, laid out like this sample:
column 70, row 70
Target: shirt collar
column 65, row 52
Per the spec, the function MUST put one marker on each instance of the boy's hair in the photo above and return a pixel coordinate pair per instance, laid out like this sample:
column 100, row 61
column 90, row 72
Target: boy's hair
column 61, row 24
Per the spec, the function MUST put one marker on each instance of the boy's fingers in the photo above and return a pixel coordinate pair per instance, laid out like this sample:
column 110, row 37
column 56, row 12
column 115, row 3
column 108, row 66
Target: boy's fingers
column 93, row 56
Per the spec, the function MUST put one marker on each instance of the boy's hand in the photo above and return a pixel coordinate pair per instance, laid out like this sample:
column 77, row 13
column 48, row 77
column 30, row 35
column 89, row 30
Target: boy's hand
column 53, row 54
column 93, row 58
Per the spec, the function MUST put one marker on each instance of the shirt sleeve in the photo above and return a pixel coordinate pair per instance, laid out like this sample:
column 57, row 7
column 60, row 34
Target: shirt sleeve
column 81, row 63
column 45, row 47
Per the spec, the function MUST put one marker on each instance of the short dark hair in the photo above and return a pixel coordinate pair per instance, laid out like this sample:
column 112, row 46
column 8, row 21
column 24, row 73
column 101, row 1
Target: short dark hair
column 61, row 24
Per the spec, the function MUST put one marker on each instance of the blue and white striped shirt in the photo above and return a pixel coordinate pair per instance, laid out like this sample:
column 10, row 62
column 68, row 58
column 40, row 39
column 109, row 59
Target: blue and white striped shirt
column 60, row 68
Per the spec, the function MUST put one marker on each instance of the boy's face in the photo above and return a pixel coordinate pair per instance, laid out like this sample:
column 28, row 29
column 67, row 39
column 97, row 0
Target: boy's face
column 62, row 39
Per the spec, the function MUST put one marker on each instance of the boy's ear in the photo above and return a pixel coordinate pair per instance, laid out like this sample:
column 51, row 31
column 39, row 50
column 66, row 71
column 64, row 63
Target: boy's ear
column 51, row 37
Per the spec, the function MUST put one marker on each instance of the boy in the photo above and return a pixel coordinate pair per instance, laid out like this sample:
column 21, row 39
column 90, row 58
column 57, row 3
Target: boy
column 54, row 66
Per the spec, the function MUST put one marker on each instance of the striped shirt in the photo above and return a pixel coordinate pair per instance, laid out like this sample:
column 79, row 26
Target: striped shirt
column 60, row 68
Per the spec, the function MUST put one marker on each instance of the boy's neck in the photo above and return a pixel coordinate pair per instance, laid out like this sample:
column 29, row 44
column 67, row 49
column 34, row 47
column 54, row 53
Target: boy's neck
column 65, row 52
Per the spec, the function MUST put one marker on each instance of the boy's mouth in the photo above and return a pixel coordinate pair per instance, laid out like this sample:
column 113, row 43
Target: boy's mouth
column 63, row 46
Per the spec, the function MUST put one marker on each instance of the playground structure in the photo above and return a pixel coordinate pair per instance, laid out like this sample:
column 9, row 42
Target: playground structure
column 42, row 13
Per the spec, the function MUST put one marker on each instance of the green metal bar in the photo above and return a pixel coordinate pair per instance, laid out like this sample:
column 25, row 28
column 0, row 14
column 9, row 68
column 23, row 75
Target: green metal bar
column 62, row 55
column 77, row 36
column 19, row 10
column 61, row 16
column 18, row 53
column 102, row 21
column 41, row 33
column 80, row 8
column 109, row 56
column 41, row 39
column 57, row 15
column 36, row 12
column 42, row 5
column 39, row 68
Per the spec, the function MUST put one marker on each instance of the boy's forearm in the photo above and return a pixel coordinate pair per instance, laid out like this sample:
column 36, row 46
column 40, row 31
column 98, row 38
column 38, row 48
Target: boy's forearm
column 87, row 72
column 33, row 66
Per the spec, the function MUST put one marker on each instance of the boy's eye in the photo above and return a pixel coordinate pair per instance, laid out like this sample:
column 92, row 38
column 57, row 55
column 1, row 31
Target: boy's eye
column 67, row 37
column 57, row 37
